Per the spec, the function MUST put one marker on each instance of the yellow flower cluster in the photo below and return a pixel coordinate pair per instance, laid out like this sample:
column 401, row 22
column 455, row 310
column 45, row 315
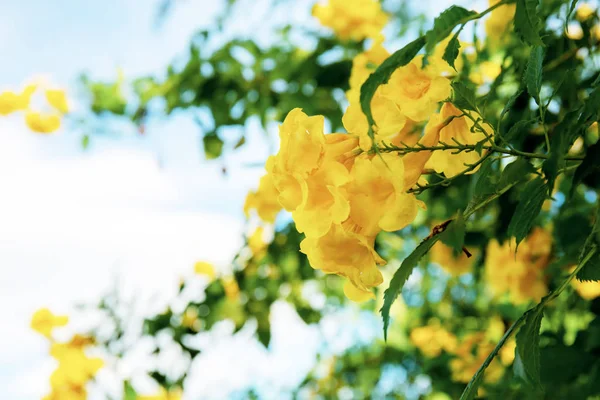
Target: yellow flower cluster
column 41, row 122
column 432, row 339
column 352, row 19
column 263, row 201
column 499, row 22
column 471, row 352
column 75, row 369
column 519, row 275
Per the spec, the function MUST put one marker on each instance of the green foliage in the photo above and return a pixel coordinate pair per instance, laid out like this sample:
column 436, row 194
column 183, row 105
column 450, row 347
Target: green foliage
column 533, row 73
column 451, row 51
column 454, row 234
column 445, row 23
column 527, row 355
column 589, row 168
column 213, row 146
column 528, row 23
column 531, row 200
column 382, row 75
column 464, row 96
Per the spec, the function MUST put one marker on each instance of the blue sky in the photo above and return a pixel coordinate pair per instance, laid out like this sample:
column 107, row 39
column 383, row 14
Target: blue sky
column 141, row 208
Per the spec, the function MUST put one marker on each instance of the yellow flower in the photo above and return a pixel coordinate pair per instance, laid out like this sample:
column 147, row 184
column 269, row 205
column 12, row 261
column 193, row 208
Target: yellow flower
column 363, row 65
column 67, row 393
column 454, row 265
column 432, row 339
column 77, row 343
column 75, row 368
column 263, row 200
column 42, row 123
column 588, row 290
column 377, row 194
column 190, row 318
column 461, row 129
column 173, row 394
column 485, row 72
column 11, row 101
column 347, row 254
column 301, row 149
column 520, row 275
column 470, row 353
column 499, row 22
column 57, row 99
column 417, row 91
column 257, row 243
column 44, row 322
column 507, row 352
column 204, row 268
column 352, row 19
column 232, row 290
column 584, row 11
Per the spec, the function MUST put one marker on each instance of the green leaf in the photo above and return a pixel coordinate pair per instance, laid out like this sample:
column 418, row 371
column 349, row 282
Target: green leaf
column 591, row 270
column 528, row 23
column 471, row 390
column 515, row 172
column 527, row 354
column 464, row 96
column 571, row 9
column 382, row 75
column 85, row 142
column 129, row 392
column 486, row 181
column 517, row 128
column 530, row 204
column 454, row 235
column 213, row 146
column 533, row 73
column 451, row 51
column 590, row 165
column 400, row 277
column 510, row 103
column 445, row 23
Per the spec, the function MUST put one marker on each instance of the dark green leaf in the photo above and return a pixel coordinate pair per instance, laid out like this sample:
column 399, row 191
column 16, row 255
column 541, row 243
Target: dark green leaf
column 530, row 204
column 454, row 235
column 400, row 277
column 510, row 103
column 515, row 172
column 464, row 96
column 533, row 73
column 382, row 75
column 590, row 165
column 451, row 51
column 213, row 146
column 527, row 354
column 591, row 270
column 471, row 390
column 486, row 181
column 445, row 23
column 517, row 128
column 528, row 23
column 571, row 9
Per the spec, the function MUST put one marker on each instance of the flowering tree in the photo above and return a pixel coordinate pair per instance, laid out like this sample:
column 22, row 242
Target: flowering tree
column 461, row 201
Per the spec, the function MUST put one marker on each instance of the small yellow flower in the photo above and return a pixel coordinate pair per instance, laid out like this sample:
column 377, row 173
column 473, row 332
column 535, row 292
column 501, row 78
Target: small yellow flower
column 42, row 123
column 588, row 290
column 44, row 322
column 75, row 368
column 11, row 101
column 454, row 265
column 204, row 268
column 584, row 12
column 257, row 243
column 352, row 19
column 232, row 290
column 470, row 353
column 190, row 318
column 58, row 99
column 499, row 22
column 263, row 200
column 432, row 339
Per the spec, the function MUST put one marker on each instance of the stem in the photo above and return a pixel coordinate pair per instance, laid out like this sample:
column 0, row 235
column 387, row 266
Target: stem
column 517, row 324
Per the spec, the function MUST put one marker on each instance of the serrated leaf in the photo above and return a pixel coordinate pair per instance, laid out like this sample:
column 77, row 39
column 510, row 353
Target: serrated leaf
column 517, row 128
column 454, row 235
column 527, row 354
column 400, row 277
column 591, row 270
column 590, row 165
column 486, row 181
column 451, row 51
column 530, row 204
column 533, row 73
column 515, row 172
column 510, row 103
column 445, row 23
column 464, row 97
column 527, row 22
column 382, row 75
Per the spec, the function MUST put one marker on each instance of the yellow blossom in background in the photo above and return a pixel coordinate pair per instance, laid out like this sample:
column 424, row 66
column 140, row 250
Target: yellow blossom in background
column 584, row 12
column 42, row 122
column 352, row 19
column 11, row 101
column 453, row 264
column 263, row 200
column 521, row 276
column 75, row 368
column 432, row 339
column 507, row 352
column 460, row 129
column 499, row 22
column 44, row 321
column 232, row 290
column 204, row 268
column 57, row 98
column 190, row 318
column 588, row 290
column 485, row 72
column 174, row 394
column 67, row 393
column 347, row 254
column 417, row 91
column 437, row 61
column 257, row 243
column 470, row 353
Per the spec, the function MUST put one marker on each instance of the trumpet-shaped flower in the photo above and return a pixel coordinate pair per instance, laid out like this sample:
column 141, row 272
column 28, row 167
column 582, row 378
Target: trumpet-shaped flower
column 352, row 19
column 263, row 200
